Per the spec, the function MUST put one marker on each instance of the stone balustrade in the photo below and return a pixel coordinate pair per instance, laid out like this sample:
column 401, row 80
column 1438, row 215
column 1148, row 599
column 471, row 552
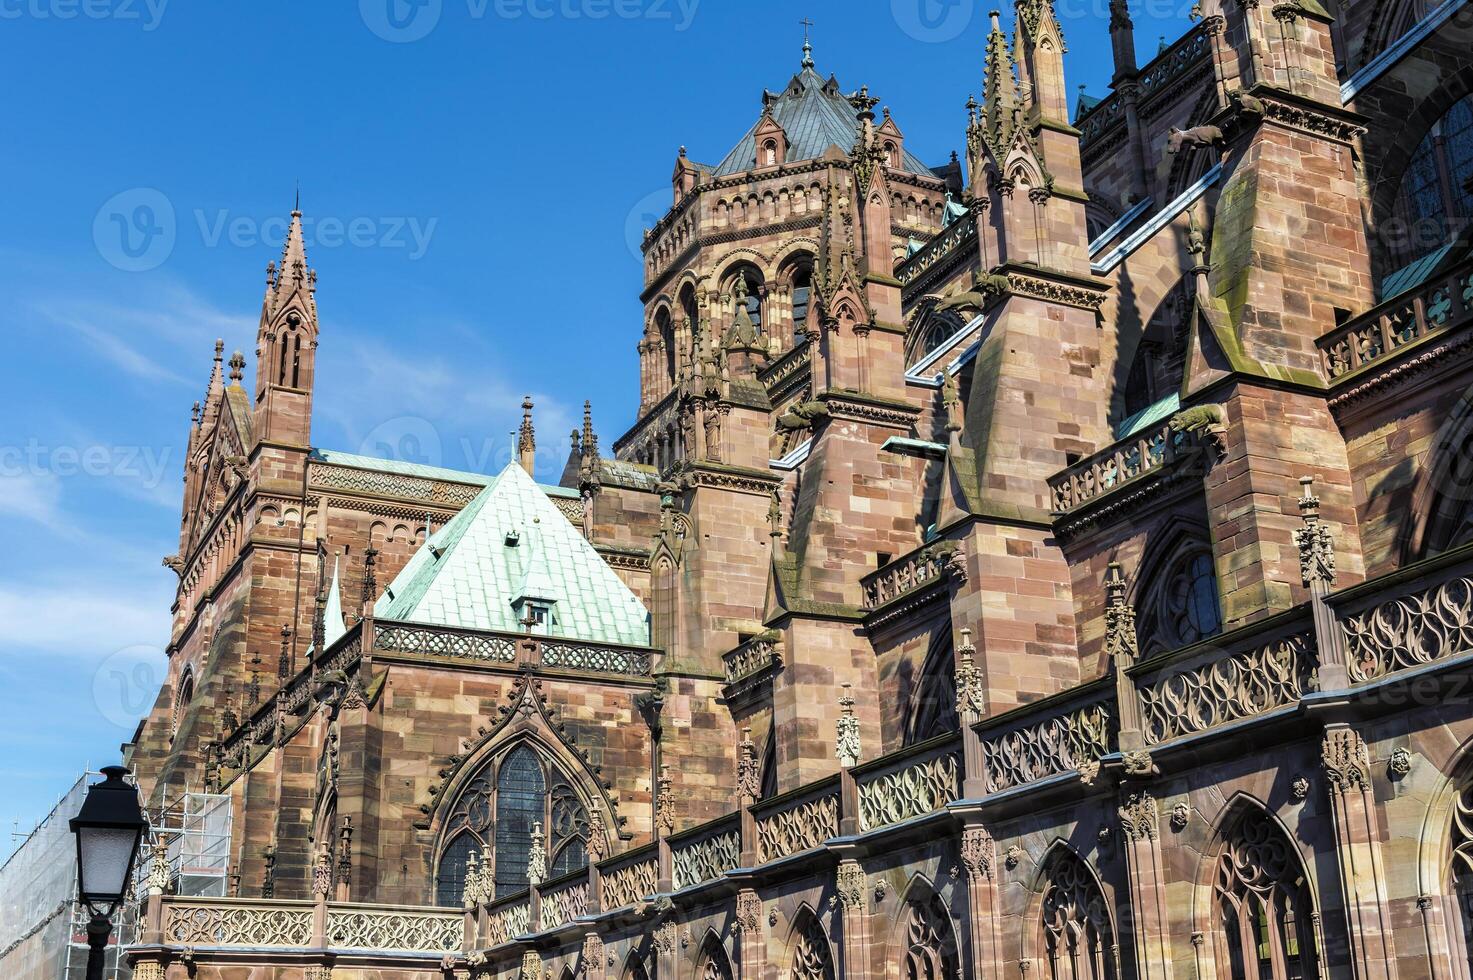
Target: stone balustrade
column 908, row 785
column 1120, row 465
column 920, row 568
column 798, row 821
column 1438, row 306
column 1055, row 736
column 706, row 853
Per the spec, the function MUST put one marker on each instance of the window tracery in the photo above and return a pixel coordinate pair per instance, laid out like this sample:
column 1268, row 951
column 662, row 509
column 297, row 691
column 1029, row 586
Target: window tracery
column 1079, row 941
column 1264, row 904
column 932, row 709
column 495, row 815
column 812, row 958
column 930, row 943
column 1435, row 197
column 1460, row 871
column 1180, row 603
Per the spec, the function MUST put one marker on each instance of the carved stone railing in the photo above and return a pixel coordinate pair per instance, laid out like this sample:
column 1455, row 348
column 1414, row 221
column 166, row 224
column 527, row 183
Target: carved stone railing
column 381, row 483
column 1437, row 306
column 419, row 930
column 908, row 573
column 944, row 244
column 278, row 714
column 776, row 375
column 895, row 789
column 1118, row 465
column 1160, row 75
column 440, row 641
column 1430, row 620
column 507, row 919
column 797, row 821
column 237, row 922
column 707, row 854
column 753, row 656
column 661, row 415
column 1045, row 739
column 598, row 658
column 564, row 900
column 1225, row 679
column 629, row 878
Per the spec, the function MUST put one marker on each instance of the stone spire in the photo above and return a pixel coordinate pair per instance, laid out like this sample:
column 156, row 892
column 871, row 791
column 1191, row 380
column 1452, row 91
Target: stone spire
column 527, row 438
column 1000, row 94
column 286, row 345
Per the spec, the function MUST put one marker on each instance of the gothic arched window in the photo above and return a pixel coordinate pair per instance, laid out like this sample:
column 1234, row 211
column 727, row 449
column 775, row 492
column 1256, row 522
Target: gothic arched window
column 750, row 288
column 930, row 944
column 802, row 298
column 181, row 701
column 1459, row 889
column 1180, row 605
column 812, row 958
column 495, row 815
column 1264, row 904
column 1435, row 196
column 715, row 964
column 932, row 709
column 665, row 329
column 1078, row 939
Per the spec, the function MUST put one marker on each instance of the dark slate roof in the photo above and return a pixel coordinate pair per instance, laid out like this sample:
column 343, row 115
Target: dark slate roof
column 815, row 115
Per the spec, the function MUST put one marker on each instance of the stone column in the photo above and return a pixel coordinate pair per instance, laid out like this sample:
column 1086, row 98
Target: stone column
column 979, row 857
column 1141, row 839
column 748, row 929
column 668, row 964
column 1358, row 854
column 850, row 886
column 591, row 966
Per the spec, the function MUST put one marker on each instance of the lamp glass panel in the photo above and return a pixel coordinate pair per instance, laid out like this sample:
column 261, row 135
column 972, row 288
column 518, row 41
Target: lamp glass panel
column 105, row 853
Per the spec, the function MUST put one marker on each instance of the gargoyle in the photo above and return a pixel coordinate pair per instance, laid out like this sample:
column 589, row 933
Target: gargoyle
column 1206, row 421
column 1196, row 136
column 176, row 563
column 985, row 287
column 802, row 416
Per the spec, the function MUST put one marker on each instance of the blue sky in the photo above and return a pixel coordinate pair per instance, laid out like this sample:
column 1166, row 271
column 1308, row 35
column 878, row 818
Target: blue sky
column 475, row 174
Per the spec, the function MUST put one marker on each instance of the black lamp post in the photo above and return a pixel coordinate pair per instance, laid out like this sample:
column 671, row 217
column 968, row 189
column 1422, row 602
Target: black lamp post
column 109, row 829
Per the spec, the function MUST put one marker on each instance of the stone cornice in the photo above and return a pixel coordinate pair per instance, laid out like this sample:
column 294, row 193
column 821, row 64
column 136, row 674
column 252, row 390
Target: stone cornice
column 855, row 406
column 736, row 478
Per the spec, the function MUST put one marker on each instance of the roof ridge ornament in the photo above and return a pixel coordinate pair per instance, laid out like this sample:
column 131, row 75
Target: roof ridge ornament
column 807, row 43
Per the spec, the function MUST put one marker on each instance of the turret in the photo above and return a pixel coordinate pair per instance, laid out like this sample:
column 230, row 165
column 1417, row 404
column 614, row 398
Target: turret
column 286, row 346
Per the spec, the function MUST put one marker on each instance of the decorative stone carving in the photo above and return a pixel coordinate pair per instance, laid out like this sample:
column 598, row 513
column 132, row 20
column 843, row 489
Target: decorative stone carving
column 537, row 856
column 531, row 966
column 1400, row 763
column 664, row 938
column 1138, row 763
column 1121, row 644
column 593, row 951
column 970, row 697
column 978, row 852
column 665, row 803
column 846, row 732
column 1181, row 815
column 749, row 772
column 322, row 874
column 748, row 913
column 158, row 871
column 1347, row 764
column 849, row 884
column 1015, row 854
column 1299, row 789
column 1138, row 817
column 1314, row 541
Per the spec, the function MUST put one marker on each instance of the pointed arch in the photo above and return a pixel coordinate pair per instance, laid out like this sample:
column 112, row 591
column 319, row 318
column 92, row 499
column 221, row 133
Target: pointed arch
column 931, row 709
column 634, row 965
column 810, row 954
column 923, row 938
column 1441, row 514
column 1445, row 862
column 1175, row 593
column 714, row 963
column 1070, row 929
column 1256, row 899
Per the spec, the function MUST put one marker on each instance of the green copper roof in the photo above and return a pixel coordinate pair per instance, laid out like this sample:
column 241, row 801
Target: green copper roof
column 507, row 544
column 1150, row 415
column 814, row 115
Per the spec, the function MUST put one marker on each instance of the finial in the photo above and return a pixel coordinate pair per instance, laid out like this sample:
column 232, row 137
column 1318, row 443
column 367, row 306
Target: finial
column 1121, row 643
column 237, row 366
column 995, row 17
column 846, row 731
column 969, row 695
column 807, row 44
column 526, row 437
column 194, row 414
column 682, row 152
column 1314, row 541
column 219, row 349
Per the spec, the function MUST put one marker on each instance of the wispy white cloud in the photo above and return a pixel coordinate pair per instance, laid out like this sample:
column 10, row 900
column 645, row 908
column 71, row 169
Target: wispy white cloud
column 86, row 619
column 32, row 497
column 147, row 336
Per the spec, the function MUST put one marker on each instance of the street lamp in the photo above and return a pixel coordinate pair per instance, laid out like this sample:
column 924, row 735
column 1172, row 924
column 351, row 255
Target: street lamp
column 109, row 828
